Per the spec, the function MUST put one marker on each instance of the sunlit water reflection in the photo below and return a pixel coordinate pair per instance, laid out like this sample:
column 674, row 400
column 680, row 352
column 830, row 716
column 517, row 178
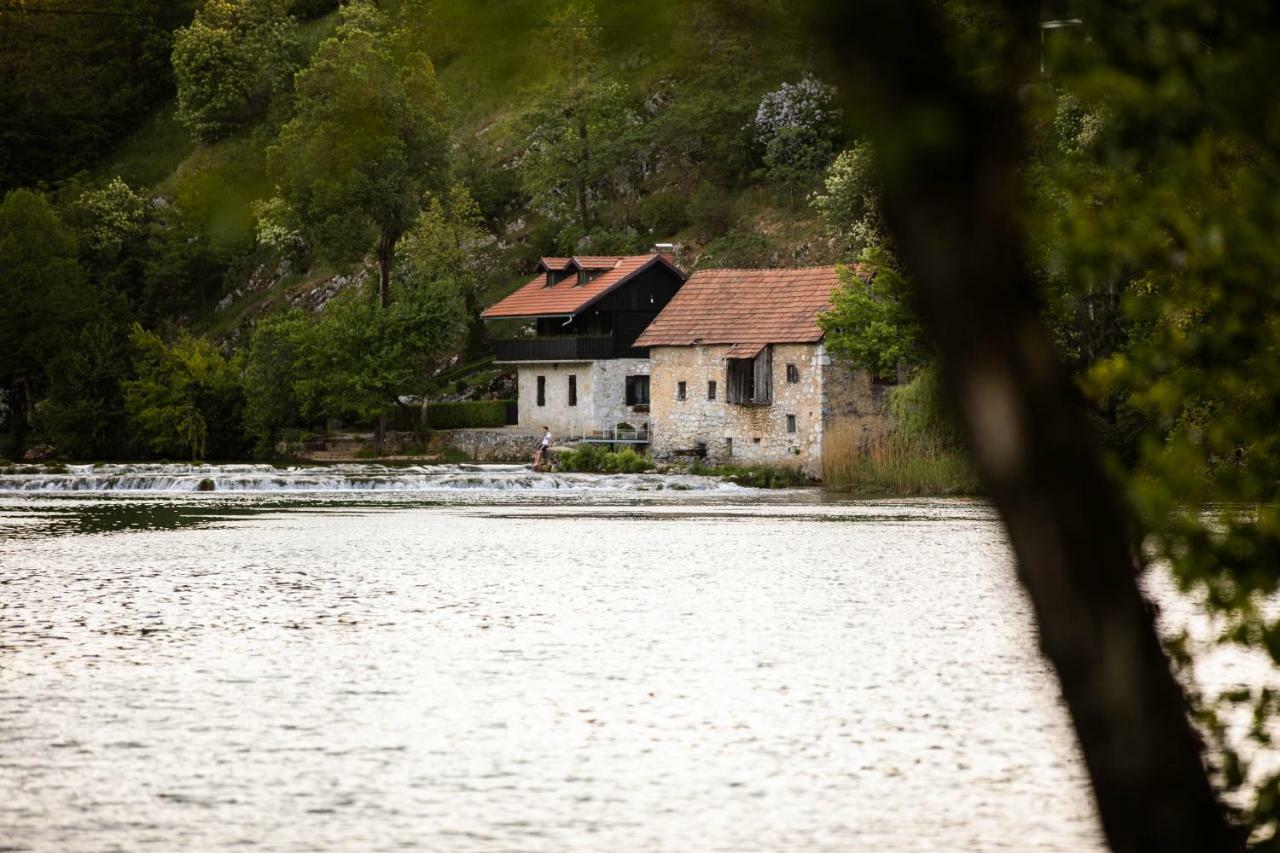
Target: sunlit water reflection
column 496, row 671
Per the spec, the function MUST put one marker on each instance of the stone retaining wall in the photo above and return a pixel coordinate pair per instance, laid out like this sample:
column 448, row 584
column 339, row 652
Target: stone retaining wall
column 489, row 445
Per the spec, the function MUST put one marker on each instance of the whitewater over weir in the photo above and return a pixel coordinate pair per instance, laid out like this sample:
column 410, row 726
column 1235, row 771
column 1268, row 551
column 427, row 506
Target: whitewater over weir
column 184, row 478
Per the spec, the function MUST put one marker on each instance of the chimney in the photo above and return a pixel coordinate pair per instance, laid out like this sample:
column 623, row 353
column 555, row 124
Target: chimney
column 666, row 250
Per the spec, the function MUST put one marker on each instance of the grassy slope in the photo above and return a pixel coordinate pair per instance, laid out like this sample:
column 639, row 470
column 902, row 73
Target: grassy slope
column 216, row 184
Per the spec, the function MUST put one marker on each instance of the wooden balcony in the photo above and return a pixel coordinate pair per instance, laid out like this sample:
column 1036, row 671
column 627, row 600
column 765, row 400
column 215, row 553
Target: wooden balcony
column 555, row 348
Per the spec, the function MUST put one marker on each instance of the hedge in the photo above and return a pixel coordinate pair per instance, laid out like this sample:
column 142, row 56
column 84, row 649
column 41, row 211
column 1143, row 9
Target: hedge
column 467, row 414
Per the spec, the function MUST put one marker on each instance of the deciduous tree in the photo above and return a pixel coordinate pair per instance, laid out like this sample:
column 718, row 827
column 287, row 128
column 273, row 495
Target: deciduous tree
column 370, row 142
column 231, row 61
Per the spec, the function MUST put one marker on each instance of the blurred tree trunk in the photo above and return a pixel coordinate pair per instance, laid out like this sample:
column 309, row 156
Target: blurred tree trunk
column 951, row 154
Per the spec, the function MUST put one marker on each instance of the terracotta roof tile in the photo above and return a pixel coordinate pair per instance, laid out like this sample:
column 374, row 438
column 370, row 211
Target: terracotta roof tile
column 598, row 262
column 567, row 297
column 557, row 264
column 746, row 308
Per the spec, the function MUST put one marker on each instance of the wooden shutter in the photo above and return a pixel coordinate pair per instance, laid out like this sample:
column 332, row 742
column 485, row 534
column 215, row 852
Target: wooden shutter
column 764, row 376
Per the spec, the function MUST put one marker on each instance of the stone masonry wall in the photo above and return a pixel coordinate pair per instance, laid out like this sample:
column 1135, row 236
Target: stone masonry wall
column 601, row 394
column 853, row 414
column 737, row 433
column 610, row 391
column 490, row 445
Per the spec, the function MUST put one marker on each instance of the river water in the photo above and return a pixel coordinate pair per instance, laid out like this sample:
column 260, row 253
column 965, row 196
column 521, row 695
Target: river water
column 485, row 660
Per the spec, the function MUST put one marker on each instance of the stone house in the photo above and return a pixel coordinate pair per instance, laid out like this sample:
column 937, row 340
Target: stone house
column 739, row 372
column 578, row 367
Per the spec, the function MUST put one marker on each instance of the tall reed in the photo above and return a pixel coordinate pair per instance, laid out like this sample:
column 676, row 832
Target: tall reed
column 920, row 452
column 891, row 464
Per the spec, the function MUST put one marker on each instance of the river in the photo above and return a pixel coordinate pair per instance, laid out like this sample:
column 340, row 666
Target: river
column 463, row 659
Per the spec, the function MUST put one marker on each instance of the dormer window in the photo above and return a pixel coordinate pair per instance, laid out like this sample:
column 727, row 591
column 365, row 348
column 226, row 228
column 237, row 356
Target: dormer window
column 551, row 278
column 582, row 277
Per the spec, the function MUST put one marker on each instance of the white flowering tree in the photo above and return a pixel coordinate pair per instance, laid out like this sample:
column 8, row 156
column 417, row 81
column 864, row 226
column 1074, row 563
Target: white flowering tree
column 797, row 129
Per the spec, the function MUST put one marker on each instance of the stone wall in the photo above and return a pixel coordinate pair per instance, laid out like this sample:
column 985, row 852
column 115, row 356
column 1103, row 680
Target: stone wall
column 490, row 445
column 853, row 412
column 610, row 386
column 825, row 396
column 601, row 394
column 731, row 432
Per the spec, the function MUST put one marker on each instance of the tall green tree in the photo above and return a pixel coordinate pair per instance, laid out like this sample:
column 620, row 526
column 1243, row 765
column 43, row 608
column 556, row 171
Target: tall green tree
column 84, row 413
column 43, row 298
column 231, row 61
column 370, row 141
column 574, row 122
column 186, row 399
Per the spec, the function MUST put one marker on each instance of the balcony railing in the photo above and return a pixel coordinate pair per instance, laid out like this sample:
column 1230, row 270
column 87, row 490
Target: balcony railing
column 557, row 348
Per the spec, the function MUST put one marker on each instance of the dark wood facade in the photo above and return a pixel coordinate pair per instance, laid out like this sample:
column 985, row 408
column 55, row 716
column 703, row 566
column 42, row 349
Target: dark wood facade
column 606, row 329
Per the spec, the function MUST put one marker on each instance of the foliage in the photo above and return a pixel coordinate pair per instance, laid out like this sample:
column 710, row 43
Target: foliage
column 43, row 299
column 889, row 466
column 350, row 363
column 277, row 389
column 276, row 229
column 759, row 476
column 84, row 414
column 368, row 142
column 76, row 83
column 1164, row 206
column 231, row 61
column 797, row 128
column 186, row 399
column 737, row 248
column 920, row 419
column 595, row 459
column 849, row 203
column 871, row 324
column 468, row 414
column 110, row 218
column 574, row 125
column 366, row 356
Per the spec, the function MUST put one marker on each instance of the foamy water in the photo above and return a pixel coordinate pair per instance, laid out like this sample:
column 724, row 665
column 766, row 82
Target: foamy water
column 334, row 478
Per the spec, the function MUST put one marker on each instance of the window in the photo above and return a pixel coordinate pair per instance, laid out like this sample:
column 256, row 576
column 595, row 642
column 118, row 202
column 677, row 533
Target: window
column 637, row 390
column 542, row 390
column 750, row 380
column 791, row 423
column 682, row 390
column 711, row 390
column 551, row 278
column 573, row 390
column 793, row 374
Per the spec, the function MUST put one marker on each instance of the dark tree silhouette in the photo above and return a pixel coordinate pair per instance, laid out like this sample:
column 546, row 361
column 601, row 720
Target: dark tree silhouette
column 951, row 144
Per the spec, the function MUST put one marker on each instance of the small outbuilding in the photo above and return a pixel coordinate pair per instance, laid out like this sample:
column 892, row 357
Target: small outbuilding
column 739, row 372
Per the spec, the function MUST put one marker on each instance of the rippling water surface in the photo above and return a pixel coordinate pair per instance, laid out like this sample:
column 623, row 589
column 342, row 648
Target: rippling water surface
column 568, row 668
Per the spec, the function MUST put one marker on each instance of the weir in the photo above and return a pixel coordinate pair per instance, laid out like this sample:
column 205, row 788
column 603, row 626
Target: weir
column 196, row 478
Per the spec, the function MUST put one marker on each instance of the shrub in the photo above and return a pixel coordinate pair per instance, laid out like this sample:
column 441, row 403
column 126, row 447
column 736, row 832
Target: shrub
column 663, row 213
column 756, row 476
column 468, row 414
column 737, row 249
column 595, row 459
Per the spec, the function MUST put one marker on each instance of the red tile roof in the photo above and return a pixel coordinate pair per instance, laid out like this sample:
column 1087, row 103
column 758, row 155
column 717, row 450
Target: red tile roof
column 557, row 264
column 567, row 297
column 746, row 308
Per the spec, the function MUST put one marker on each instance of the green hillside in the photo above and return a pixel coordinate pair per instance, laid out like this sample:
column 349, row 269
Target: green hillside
column 717, row 210
column 264, row 171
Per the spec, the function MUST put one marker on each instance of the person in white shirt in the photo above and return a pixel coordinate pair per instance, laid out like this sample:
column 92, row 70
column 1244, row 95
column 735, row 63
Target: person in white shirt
column 544, row 449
